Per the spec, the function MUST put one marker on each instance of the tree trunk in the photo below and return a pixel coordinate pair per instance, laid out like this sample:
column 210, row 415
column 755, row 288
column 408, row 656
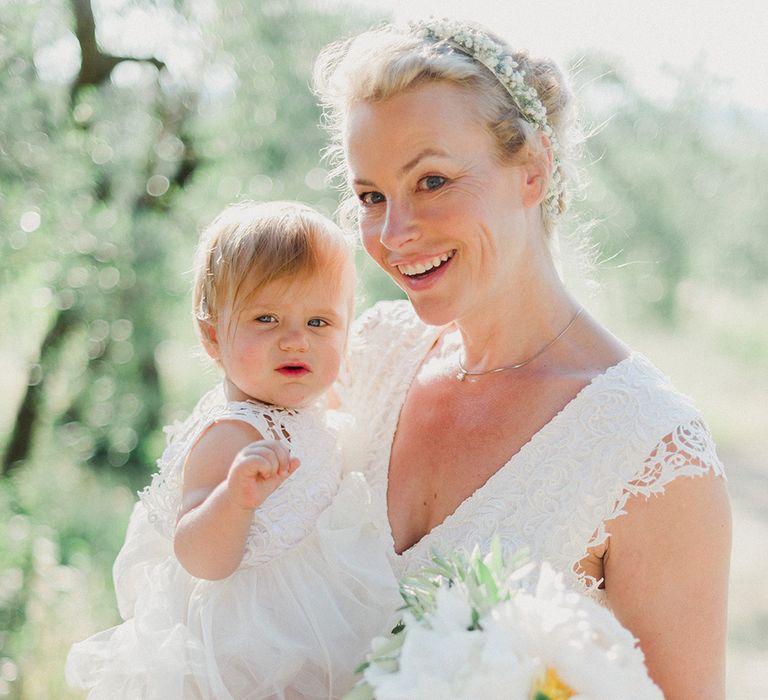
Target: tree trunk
column 28, row 414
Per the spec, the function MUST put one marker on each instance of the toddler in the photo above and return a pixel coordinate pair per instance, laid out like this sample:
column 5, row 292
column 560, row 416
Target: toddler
column 250, row 568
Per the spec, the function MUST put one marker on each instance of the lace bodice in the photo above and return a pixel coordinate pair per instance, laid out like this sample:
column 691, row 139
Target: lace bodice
column 290, row 513
column 627, row 432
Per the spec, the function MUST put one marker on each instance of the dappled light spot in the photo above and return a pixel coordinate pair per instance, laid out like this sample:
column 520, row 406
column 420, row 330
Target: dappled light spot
column 260, row 186
column 82, row 112
column 30, row 221
column 121, row 352
column 101, row 153
column 122, row 329
column 41, row 297
column 157, row 185
column 316, row 179
column 109, row 277
column 78, row 277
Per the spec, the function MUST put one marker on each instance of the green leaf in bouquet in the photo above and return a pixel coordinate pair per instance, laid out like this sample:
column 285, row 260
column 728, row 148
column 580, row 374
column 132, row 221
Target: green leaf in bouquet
column 473, row 589
column 389, row 664
column 460, row 565
column 363, row 691
column 440, row 565
column 487, row 579
column 495, row 557
column 389, row 647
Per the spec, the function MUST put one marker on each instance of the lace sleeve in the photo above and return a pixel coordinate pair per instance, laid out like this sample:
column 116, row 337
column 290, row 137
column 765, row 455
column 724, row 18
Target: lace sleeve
column 376, row 341
column 688, row 450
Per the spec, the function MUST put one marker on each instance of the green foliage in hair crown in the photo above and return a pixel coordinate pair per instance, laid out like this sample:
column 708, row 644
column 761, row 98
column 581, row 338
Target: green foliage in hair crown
column 497, row 59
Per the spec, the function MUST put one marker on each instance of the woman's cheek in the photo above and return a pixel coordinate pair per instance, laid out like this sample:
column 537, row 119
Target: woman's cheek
column 370, row 239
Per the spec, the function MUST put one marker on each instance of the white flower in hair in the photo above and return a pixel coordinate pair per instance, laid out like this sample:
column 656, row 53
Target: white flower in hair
column 496, row 58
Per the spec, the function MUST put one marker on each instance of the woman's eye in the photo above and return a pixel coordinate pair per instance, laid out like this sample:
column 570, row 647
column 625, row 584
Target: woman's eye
column 369, row 198
column 317, row 323
column 266, row 318
column 431, row 182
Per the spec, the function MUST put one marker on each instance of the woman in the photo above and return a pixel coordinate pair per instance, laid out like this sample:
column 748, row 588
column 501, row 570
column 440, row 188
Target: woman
column 492, row 402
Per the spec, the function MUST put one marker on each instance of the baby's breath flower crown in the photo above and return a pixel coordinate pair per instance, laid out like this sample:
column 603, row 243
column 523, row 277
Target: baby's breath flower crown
column 497, row 59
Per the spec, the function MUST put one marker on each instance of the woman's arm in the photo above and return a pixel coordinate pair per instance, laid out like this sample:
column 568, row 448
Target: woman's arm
column 229, row 472
column 666, row 579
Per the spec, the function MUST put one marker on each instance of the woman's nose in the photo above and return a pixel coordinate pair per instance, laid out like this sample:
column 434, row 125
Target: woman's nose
column 294, row 340
column 399, row 226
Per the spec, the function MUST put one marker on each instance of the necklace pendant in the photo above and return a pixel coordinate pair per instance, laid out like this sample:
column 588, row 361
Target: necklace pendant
column 460, row 375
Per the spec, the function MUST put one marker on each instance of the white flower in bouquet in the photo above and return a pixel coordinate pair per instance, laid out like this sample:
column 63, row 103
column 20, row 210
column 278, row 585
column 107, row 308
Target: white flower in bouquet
column 472, row 629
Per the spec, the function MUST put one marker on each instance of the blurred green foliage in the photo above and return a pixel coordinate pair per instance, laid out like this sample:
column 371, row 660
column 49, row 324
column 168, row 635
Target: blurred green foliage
column 675, row 191
column 107, row 176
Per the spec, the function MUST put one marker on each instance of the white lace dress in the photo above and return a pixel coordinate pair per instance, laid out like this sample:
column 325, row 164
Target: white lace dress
column 295, row 618
column 628, row 432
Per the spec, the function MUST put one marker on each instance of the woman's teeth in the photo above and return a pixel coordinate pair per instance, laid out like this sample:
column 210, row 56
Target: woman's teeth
column 427, row 265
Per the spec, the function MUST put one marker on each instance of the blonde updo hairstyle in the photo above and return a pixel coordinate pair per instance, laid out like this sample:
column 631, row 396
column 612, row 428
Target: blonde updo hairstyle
column 251, row 244
column 386, row 61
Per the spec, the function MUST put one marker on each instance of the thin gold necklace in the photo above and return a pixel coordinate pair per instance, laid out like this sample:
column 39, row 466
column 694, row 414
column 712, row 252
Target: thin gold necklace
column 463, row 373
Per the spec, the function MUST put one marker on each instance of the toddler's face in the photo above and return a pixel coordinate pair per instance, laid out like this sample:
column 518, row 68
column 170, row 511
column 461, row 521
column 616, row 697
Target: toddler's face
column 286, row 344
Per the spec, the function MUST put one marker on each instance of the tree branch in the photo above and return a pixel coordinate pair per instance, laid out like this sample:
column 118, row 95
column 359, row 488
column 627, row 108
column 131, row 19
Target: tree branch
column 95, row 65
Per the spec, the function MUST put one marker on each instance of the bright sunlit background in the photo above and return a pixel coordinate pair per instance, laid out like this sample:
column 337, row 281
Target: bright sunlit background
column 652, row 39
column 122, row 133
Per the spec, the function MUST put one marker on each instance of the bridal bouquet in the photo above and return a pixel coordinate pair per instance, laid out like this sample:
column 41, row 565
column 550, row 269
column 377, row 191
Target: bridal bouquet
column 471, row 628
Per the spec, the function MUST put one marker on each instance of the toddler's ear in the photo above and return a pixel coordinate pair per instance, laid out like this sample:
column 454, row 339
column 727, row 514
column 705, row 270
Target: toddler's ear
column 210, row 339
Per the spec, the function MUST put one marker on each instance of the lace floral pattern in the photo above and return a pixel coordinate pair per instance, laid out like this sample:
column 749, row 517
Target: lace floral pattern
column 628, row 432
column 290, row 513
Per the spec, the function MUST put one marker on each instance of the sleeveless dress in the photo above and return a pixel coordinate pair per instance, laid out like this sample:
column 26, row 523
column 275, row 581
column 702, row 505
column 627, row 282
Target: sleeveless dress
column 294, row 619
column 628, row 432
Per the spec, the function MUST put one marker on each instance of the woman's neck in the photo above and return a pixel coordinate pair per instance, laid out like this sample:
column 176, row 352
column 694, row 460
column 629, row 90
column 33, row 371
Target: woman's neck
column 519, row 321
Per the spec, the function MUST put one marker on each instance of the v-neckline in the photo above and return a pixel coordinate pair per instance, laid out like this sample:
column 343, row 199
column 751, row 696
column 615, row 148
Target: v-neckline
column 528, row 445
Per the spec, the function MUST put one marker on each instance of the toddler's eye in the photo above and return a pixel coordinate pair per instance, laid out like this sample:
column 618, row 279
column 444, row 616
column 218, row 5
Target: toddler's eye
column 266, row 318
column 431, row 182
column 369, row 198
column 317, row 323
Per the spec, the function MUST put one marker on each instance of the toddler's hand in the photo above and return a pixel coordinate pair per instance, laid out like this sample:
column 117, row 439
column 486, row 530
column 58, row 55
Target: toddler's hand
column 257, row 470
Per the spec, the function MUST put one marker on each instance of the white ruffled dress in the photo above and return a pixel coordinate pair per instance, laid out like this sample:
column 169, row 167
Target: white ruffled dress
column 296, row 617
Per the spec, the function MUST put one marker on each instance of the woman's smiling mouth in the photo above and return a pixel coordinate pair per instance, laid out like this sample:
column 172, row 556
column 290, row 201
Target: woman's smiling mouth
column 421, row 268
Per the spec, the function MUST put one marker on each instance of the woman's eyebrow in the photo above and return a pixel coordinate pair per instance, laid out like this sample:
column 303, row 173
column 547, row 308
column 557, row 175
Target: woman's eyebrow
column 413, row 162
column 410, row 165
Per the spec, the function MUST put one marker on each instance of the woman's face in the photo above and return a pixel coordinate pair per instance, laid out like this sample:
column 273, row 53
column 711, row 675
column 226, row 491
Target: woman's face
column 439, row 211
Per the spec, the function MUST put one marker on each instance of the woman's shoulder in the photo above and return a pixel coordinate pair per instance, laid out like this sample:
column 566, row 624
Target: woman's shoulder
column 636, row 399
column 654, row 432
column 647, row 395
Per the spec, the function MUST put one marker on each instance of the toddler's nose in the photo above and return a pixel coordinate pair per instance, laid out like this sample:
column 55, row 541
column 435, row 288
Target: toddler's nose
column 294, row 340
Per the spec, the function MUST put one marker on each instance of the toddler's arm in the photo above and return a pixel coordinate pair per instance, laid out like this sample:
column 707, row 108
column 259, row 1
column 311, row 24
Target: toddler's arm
column 229, row 472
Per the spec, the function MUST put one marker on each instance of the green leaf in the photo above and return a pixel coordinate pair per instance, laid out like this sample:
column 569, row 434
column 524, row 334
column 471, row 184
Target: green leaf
column 487, row 579
column 362, row 691
column 362, row 666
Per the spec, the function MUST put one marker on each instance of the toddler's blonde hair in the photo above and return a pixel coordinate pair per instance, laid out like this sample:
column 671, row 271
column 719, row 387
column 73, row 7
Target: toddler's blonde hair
column 250, row 244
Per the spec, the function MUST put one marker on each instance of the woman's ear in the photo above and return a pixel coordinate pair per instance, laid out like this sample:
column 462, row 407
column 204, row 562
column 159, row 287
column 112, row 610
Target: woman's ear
column 538, row 171
column 210, row 339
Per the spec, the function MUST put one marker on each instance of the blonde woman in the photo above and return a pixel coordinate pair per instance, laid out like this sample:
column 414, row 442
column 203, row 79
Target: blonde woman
column 491, row 402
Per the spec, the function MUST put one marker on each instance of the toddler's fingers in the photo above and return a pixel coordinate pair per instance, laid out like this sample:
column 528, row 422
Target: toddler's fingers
column 289, row 466
column 270, row 457
column 258, row 460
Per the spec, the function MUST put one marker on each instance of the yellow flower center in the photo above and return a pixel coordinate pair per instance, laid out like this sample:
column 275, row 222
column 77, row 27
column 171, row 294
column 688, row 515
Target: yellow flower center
column 551, row 687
